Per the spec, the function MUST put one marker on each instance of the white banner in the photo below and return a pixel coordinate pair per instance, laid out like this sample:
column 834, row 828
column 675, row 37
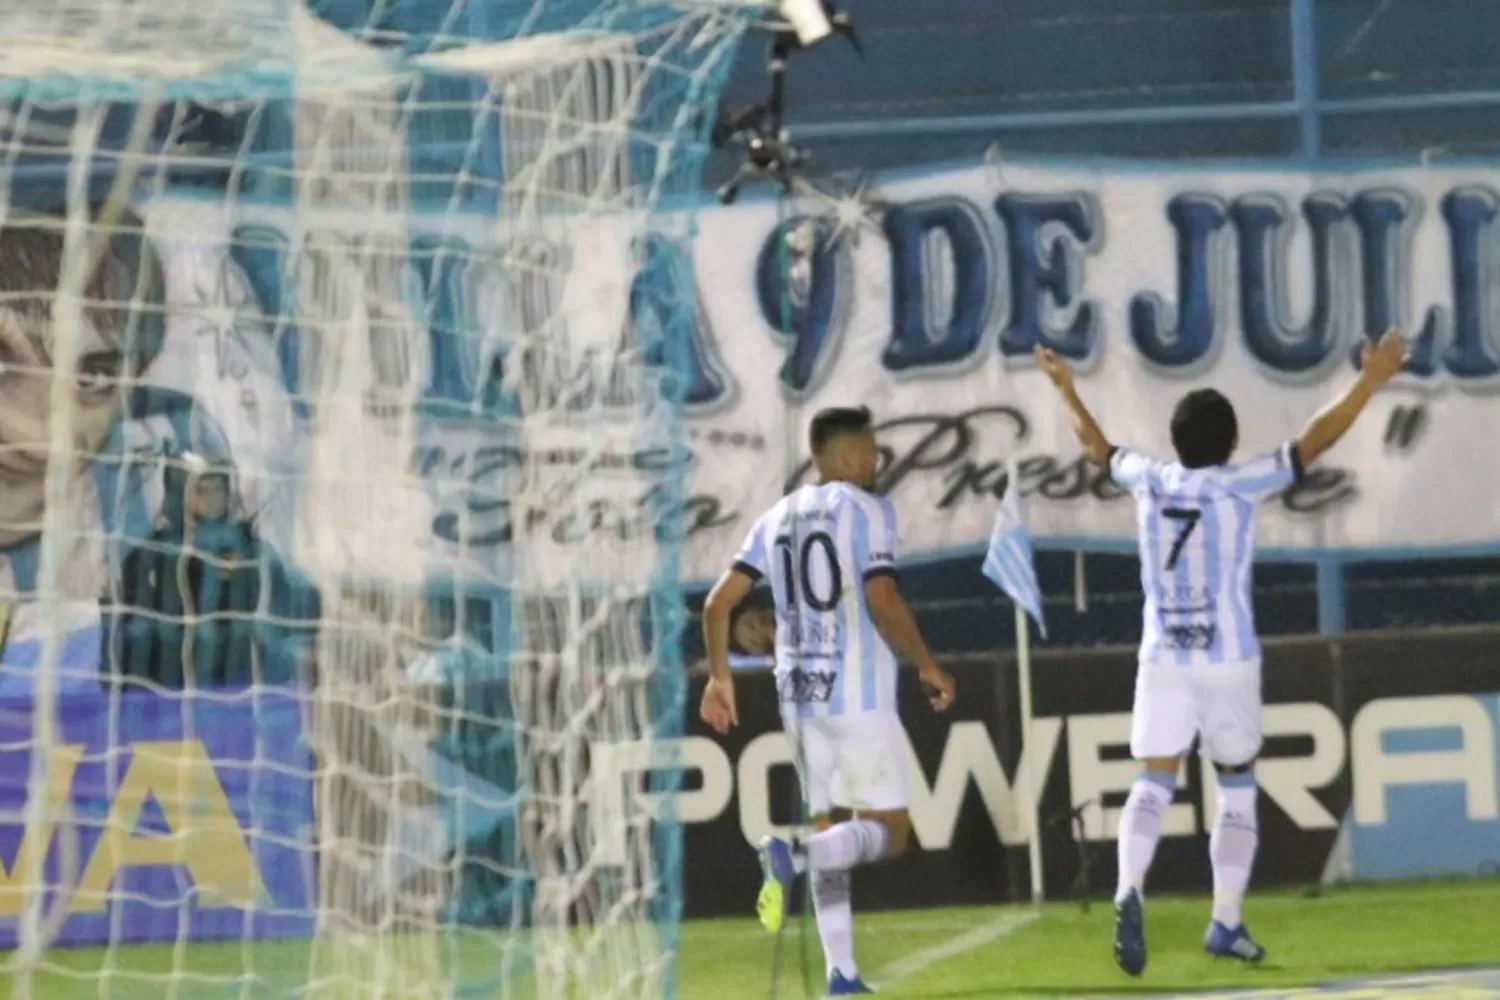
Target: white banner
column 922, row 298
column 929, row 294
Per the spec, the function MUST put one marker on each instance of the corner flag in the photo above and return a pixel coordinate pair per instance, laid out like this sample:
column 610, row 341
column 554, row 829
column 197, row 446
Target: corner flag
column 1008, row 563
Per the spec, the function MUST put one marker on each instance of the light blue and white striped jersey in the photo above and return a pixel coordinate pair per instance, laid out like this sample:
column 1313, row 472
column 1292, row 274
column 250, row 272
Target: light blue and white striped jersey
column 817, row 547
column 1197, row 542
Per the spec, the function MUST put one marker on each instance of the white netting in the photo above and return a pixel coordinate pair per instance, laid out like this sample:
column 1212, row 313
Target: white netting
column 145, row 39
column 338, row 491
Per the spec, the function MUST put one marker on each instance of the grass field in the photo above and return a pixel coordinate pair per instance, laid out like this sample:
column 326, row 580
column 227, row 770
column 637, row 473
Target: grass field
column 939, row 954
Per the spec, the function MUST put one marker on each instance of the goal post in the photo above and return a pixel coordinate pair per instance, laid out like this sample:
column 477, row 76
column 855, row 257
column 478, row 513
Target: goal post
column 342, row 359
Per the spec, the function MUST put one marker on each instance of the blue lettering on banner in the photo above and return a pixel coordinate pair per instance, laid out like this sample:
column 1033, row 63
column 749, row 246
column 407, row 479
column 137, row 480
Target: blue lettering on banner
column 460, row 378
column 1470, row 214
column 476, row 509
column 1070, row 223
column 1275, row 279
column 1046, row 240
column 1195, row 219
column 1382, row 218
column 1262, row 225
column 797, row 280
column 945, row 284
column 671, row 337
column 941, row 300
column 263, row 255
column 921, row 336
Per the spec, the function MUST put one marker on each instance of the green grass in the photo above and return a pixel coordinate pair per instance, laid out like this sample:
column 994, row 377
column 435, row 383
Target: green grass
column 1342, row 934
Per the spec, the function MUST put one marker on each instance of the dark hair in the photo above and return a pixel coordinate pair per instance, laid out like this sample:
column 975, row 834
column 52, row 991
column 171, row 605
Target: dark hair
column 125, row 292
column 1204, row 429
column 835, row 422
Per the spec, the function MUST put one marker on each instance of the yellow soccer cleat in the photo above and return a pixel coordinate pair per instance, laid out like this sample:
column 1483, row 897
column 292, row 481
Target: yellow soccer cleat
column 779, row 871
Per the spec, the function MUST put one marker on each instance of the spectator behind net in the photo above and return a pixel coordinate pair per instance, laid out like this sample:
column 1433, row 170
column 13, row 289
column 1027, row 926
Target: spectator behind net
column 192, row 590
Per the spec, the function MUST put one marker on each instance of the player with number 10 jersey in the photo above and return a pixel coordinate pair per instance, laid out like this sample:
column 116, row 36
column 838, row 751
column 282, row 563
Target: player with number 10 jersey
column 817, row 548
column 828, row 551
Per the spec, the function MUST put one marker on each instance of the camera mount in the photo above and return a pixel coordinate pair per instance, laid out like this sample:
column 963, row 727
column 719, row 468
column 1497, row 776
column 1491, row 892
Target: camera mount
column 770, row 152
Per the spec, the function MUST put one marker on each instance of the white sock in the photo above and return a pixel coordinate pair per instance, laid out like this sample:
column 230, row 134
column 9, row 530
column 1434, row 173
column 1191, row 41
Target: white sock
column 831, row 892
column 1140, row 828
column 1231, row 845
column 844, row 846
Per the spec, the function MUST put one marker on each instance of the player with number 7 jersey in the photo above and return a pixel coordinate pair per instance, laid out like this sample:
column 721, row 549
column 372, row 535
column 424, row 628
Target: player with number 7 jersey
column 1199, row 671
column 828, row 552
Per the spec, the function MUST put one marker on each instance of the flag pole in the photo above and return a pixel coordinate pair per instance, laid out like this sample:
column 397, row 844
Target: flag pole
column 1030, row 794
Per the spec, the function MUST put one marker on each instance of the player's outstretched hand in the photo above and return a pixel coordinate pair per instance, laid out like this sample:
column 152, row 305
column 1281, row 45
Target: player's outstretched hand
column 1380, row 362
column 718, row 709
column 1056, row 368
column 939, row 687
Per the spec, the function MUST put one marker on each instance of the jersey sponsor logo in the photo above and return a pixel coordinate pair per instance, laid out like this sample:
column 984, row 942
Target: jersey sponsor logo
column 1188, row 618
column 808, row 687
column 1191, row 636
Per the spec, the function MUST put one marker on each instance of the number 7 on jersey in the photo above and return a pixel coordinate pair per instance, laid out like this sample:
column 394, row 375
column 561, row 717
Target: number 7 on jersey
column 1187, row 519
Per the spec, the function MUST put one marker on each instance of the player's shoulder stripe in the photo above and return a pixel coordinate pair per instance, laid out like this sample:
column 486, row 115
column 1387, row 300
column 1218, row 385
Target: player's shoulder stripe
column 775, row 514
column 792, row 499
column 1205, row 482
column 877, row 508
column 871, row 501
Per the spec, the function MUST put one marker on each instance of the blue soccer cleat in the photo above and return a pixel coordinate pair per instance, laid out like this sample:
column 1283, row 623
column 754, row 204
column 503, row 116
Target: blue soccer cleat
column 778, row 873
column 1232, row 942
column 1130, row 935
column 838, row 986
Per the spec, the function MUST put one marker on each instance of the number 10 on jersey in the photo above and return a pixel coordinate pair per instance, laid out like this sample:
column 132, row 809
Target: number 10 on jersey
column 796, row 571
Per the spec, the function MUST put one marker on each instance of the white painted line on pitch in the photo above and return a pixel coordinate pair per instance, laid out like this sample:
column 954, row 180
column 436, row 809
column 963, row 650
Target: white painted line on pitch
column 910, row 920
column 740, row 930
column 910, row 965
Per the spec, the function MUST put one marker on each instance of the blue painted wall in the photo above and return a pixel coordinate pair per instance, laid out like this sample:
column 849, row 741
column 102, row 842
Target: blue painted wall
column 1008, row 61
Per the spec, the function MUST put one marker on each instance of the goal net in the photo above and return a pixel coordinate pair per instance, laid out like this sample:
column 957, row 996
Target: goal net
column 340, row 484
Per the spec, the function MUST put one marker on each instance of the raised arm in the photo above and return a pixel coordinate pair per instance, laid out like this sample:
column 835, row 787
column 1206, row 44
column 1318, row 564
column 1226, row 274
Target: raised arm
column 1379, row 363
column 1096, row 446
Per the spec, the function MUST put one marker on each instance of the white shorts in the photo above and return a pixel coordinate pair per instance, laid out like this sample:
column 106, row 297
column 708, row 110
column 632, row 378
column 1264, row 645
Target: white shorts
column 1218, row 703
column 858, row 761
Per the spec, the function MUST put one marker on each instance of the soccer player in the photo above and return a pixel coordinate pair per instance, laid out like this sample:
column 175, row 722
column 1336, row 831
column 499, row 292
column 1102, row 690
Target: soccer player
column 1199, row 666
column 829, row 552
